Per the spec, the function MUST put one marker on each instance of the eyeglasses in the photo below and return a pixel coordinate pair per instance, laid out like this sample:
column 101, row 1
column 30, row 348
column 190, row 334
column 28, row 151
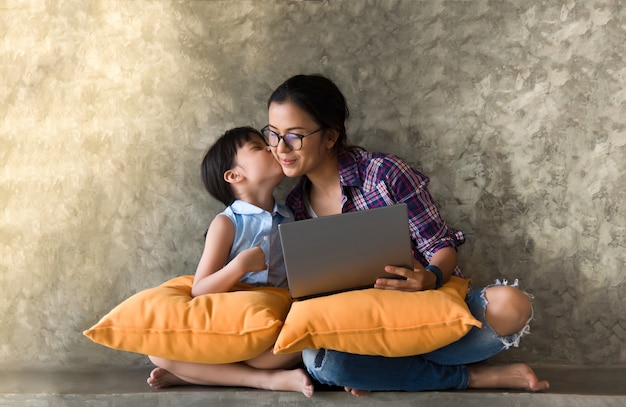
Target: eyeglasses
column 292, row 140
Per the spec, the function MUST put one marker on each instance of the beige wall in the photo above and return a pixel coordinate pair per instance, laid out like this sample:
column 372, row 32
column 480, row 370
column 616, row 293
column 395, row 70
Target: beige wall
column 515, row 110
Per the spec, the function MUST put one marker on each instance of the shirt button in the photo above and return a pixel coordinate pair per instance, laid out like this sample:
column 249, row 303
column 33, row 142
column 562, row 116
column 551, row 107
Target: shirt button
column 266, row 238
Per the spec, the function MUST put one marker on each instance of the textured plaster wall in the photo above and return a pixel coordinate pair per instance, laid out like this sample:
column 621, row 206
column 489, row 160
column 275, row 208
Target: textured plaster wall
column 515, row 109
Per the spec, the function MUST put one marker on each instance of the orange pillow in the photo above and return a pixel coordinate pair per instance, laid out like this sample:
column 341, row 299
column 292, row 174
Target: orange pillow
column 379, row 322
column 166, row 322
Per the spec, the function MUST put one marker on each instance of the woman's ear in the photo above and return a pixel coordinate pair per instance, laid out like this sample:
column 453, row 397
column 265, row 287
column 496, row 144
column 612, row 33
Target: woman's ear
column 331, row 138
column 232, row 176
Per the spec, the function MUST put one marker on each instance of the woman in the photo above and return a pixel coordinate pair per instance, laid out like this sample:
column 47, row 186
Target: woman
column 307, row 135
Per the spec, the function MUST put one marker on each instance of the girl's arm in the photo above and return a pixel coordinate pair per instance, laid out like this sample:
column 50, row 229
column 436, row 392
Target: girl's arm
column 213, row 274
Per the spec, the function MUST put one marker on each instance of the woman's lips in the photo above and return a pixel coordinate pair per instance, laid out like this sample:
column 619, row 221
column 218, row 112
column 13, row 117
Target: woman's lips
column 286, row 162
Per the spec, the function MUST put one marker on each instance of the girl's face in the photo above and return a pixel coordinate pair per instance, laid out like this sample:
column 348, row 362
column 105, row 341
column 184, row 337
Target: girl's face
column 255, row 161
column 288, row 118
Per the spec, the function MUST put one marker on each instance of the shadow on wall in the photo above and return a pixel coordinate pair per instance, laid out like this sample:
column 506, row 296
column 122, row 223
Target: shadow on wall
column 502, row 246
column 504, row 220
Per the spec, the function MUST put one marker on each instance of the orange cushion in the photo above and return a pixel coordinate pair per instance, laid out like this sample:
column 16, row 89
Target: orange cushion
column 379, row 322
column 167, row 322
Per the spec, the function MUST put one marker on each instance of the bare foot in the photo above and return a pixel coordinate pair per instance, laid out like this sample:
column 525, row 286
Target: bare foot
column 160, row 378
column 515, row 376
column 356, row 392
column 290, row 380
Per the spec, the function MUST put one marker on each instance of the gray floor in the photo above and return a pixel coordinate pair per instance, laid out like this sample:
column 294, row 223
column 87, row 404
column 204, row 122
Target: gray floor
column 569, row 387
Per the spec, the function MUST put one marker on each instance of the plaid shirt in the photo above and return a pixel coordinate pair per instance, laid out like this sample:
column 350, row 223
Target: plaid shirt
column 371, row 180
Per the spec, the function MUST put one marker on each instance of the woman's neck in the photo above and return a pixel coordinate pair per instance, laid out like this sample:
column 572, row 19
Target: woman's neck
column 324, row 190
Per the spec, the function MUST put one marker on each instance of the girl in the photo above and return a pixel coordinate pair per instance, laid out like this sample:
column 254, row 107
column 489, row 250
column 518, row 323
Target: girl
column 240, row 171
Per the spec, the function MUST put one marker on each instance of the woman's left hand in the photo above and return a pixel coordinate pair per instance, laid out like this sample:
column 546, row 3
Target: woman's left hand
column 418, row 279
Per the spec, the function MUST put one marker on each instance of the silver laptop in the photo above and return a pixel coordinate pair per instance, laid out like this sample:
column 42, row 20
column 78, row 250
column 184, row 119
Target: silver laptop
column 344, row 252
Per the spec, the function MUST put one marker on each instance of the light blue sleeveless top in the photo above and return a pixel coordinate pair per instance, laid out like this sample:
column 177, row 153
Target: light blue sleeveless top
column 257, row 227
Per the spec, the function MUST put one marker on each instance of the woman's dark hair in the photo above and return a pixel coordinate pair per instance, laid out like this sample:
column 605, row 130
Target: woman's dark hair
column 319, row 97
column 221, row 158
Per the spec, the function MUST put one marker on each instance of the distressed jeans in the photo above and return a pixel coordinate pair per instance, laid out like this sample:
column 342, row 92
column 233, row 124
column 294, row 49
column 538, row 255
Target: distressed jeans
column 442, row 369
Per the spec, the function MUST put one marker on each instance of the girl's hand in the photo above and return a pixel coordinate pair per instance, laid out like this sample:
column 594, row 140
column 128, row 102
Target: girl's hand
column 251, row 260
column 418, row 279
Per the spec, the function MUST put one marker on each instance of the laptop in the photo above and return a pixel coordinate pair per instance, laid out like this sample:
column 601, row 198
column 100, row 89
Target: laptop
column 344, row 252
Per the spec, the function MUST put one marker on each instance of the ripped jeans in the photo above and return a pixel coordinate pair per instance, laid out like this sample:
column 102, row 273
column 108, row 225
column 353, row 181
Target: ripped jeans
column 442, row 369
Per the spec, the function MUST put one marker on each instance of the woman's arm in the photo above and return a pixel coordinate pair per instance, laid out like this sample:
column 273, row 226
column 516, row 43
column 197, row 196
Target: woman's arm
column 213, row 274
column 434, row 241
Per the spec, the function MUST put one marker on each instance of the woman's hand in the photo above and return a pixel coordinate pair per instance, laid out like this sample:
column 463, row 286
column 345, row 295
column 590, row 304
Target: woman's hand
column 405, row 279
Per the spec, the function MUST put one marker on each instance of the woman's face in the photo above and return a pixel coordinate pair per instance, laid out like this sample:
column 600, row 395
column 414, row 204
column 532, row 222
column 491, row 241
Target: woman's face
column 316, row 148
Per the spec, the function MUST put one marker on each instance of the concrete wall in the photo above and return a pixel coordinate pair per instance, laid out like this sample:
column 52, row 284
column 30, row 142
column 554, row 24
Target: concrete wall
column 515, row 110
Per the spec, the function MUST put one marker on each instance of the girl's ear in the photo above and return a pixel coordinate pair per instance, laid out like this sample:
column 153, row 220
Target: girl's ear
column 232, row 176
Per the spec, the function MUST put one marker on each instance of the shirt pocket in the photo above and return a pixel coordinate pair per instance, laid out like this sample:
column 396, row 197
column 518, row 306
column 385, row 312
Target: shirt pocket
column 379, row 195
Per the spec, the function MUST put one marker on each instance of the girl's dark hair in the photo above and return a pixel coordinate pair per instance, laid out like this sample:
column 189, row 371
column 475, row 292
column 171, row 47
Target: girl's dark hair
column 319, row 97
column 221, row 158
